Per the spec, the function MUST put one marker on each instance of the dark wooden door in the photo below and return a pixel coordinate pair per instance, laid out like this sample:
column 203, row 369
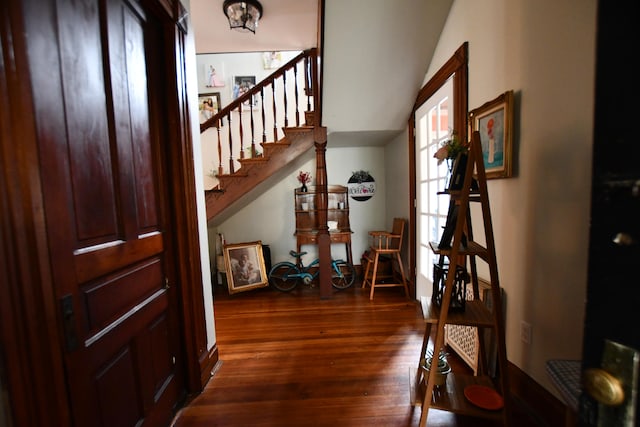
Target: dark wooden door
column 613, row 291
column 98, row 90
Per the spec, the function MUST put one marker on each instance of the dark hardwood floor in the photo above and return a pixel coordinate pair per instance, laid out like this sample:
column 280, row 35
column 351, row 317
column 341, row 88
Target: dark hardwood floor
column 293, row 359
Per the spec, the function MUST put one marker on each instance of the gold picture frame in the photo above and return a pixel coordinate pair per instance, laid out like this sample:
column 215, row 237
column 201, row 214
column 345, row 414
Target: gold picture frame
column 494, row 121
column 244, row 265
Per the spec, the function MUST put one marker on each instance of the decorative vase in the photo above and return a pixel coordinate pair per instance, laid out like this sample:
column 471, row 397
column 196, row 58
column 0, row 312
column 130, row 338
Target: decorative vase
column 442, row 368
column 303, row 189
column 441, row 375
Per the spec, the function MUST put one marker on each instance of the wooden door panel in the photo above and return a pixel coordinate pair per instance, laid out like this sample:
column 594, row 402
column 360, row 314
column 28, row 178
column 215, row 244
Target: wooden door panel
column 103, row 197
column 131, row 113
column 98, row 260
column 141, row 340
column 159, row 354
column 86, row 115
column 116, row 388
column 111, row 300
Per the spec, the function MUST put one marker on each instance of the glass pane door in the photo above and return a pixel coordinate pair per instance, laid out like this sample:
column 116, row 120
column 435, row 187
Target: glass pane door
column 434, row 121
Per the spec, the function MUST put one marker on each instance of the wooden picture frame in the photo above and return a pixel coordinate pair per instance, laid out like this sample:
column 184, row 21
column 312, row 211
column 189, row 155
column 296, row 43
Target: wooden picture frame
column 494, row 121
column 245, row 268
column 208, row 105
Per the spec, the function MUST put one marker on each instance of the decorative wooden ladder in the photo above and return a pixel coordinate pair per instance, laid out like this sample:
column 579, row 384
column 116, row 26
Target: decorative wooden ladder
column 458, row 394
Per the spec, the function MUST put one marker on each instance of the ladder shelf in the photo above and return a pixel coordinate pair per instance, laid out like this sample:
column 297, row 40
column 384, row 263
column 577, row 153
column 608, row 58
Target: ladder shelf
column 463, row 252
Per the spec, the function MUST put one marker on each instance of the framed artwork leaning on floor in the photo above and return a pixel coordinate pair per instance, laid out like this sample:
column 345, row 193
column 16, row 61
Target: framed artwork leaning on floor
column 244, row 264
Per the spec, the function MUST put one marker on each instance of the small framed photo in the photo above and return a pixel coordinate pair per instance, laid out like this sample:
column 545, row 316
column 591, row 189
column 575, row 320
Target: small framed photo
column 241, row 85
column 494, row 122
column 271, row 60
column 245, row 268
column 213, row 76
column 208, row 105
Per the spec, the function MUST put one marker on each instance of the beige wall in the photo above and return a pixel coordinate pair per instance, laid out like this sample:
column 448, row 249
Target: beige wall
column 270, row 216
column 544, row 51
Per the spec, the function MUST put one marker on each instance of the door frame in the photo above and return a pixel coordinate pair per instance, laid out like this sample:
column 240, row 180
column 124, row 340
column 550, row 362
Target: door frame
column 32, row 375
column 456, row 66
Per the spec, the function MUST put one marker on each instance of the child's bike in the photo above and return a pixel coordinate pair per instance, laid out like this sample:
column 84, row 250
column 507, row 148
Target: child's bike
column 286, row 275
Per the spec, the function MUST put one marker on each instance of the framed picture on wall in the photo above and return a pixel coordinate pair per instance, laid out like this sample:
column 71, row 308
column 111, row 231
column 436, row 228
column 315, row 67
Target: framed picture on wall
column 241, row 85
column 271, row 60
column 494, row 122
column 213, row 76
column 245, row 268
column 208, row 105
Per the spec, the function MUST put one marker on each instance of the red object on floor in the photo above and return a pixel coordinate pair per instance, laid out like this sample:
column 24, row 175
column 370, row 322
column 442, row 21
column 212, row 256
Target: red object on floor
column 484, row 397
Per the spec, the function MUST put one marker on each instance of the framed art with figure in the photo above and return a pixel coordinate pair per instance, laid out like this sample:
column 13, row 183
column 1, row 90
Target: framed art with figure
column 241, row 85
column 245, row 267
column 208, row 105
column 212, row 76
column 494, row 122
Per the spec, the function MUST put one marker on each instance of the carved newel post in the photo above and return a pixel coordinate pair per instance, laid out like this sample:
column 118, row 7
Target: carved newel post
column 324, row 241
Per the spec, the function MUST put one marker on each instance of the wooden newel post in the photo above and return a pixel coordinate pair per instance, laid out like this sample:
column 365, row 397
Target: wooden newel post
column 324, row 241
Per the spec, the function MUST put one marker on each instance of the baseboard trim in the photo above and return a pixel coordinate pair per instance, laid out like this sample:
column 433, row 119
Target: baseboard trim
column 549, row 409
column 208, row 365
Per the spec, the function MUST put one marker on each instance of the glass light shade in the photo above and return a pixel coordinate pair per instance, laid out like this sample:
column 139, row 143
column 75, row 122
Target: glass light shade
column 243, row 15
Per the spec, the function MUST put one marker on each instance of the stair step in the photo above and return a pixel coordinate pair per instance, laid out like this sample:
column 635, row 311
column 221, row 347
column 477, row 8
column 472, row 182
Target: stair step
column 214, row 190
column 238, row 174
column 269, row 148
column 300, row 129
column 253, row 171
column 253, row 160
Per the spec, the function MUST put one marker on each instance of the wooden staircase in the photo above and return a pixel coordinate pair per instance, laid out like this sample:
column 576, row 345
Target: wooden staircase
column 290, row 142
column 254, row 171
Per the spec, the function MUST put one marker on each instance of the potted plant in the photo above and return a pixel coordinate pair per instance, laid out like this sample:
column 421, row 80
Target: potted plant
column 304, row 178
column 450, row 148
column 454, row 151
column 442, row 367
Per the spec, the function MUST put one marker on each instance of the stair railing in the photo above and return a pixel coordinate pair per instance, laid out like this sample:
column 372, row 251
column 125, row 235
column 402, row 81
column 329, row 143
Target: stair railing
column 258, row 112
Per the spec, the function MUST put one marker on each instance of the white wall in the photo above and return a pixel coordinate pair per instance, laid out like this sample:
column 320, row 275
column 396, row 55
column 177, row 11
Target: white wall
column 228, row 66
column 373, row 64
column 207, row 288
column 396, row 154
column 545, row 51
column 270, row 217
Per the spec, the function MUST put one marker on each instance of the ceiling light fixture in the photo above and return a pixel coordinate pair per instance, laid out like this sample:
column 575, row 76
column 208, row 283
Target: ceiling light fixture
column 243, row 15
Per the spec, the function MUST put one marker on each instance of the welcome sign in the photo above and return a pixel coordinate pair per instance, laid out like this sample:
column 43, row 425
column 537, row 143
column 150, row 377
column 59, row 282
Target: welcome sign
column 361, row 186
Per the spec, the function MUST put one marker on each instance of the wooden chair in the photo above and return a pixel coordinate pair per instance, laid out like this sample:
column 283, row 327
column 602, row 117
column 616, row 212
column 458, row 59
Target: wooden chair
column 385, row 247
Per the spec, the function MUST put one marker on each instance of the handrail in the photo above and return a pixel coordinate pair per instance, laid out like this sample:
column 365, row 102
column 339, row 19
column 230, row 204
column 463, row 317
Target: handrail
column 273, row 88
